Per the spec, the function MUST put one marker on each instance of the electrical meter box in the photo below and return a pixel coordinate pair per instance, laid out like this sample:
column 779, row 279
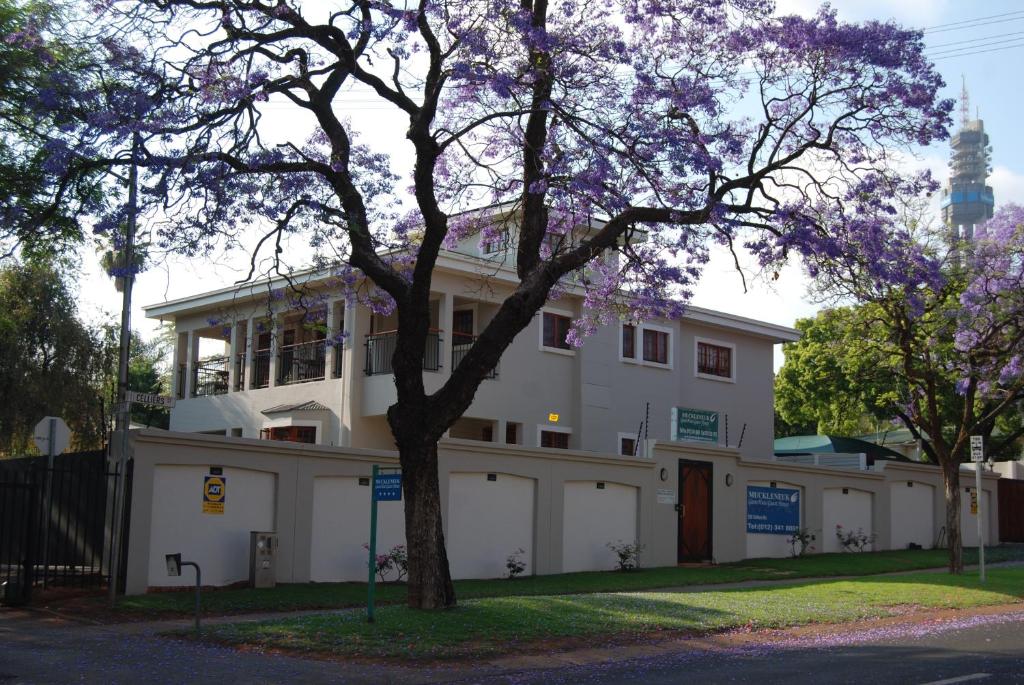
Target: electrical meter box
column 262, row 559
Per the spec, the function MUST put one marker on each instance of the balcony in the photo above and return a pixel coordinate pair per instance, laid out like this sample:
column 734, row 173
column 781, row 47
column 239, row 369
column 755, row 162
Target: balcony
column 302, row 362
column 210, row 377
column 460, row 346
column 380, row 348
column 261, row 369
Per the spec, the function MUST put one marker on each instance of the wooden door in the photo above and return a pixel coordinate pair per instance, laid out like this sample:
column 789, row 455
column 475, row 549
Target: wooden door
column 695, row 481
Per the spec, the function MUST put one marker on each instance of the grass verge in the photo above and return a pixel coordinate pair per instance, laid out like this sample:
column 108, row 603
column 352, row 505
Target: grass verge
column 292, row 597
column 495, row 625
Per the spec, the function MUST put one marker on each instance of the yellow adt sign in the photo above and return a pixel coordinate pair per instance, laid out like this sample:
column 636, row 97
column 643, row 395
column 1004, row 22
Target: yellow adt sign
column 553, row 418
column 214, row 492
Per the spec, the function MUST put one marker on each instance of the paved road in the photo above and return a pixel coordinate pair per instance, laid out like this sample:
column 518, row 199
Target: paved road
column 984, row 649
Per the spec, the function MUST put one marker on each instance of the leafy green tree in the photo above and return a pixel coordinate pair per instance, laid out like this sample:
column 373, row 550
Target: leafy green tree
column 38, row 216
column 51, row 364
column 942, row 351
column 837, row 379
column 147, row 372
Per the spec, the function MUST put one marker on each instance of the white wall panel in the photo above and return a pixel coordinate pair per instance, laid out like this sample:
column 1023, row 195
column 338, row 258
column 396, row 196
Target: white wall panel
column 487, row 521
column 591, row 519
column 341, row 526
column 912, row 514
column 219, row 543
column 851, row 510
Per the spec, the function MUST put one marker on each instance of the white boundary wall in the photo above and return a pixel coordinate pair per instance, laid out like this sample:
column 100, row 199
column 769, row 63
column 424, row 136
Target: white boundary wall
column 546, row 502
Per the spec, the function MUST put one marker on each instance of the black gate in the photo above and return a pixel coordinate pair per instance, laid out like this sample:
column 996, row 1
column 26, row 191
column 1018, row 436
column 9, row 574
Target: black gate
column 55, row 523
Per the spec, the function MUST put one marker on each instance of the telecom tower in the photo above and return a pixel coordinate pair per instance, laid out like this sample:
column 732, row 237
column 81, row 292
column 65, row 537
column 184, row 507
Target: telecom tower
column 966, row 200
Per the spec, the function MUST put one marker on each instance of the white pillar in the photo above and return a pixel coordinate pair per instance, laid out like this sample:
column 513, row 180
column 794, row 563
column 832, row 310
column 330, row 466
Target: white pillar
column 329, row 358
column 233, row 356
column 191, row 356
column 275, row 345
column 445, row 320
column 250, row 347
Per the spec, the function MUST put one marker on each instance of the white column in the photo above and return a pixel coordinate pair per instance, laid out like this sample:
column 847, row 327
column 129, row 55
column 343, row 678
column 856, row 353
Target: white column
column 232, row 356
column 250, row 347
column 329, row 359
column 445, row 320
column 191, row 356
column 501, row 429
column 275, row 345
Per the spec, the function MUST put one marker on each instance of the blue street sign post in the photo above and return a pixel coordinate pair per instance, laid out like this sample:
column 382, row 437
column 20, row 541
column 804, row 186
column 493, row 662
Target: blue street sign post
column 384, row 487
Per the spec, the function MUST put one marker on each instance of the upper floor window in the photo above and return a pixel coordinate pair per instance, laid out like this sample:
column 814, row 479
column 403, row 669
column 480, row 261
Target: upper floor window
column 627, row 446
column 628, row 341
column 555, row 331
column 492, row 245
column 655, row 343
column 655, row 346
column 556, row 439
column 714, row 360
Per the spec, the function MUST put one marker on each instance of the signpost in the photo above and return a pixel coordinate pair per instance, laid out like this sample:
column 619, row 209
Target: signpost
column 149, row 398
column 384, row 487
column 978, row 457
column 694, row 425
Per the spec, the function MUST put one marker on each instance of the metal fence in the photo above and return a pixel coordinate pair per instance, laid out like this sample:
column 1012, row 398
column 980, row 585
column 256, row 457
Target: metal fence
column 380, row 348
column 210, row 377
column 55, row 523
column 460, row 346
column 302, row 362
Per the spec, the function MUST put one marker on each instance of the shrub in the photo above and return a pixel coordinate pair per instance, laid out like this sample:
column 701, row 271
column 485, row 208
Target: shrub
column 628, row 554
column 800, row 542
column 395, row 559
column 515, row 564
column 854, row 541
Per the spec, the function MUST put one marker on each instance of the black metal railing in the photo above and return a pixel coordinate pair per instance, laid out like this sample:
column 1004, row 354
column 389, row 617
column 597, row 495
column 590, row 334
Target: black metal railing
column 302, row 362
column 261, row 369
column 380, row 348
column 239, row 372
column 210, row 377
column 54, row 523
column 460, row 346
column 338, row 359
column 182, row 374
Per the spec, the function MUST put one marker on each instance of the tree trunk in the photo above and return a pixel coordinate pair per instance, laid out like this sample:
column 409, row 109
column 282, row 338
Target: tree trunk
column 951, row 480
column 429, row 580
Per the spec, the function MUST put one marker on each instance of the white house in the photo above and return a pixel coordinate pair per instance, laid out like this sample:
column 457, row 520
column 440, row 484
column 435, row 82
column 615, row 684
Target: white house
column 277, row 378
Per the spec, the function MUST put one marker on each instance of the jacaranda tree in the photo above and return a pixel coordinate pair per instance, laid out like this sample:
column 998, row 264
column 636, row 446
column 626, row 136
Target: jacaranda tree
column 941, row 352
column 680, row 123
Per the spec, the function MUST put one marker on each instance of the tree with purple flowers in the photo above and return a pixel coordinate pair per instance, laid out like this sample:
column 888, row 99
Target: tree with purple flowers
column 650, row 130
column 941, row 352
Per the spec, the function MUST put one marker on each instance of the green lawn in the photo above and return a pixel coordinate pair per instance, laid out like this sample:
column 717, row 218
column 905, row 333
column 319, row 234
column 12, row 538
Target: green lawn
column 339, row 595
column 494, row 625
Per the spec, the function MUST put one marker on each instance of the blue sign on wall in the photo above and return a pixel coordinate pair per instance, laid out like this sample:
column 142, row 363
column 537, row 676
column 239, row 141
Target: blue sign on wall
column 773, row 511
column 388, row 487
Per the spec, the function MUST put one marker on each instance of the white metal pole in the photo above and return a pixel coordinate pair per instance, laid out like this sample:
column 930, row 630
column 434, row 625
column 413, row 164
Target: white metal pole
column 981, row 527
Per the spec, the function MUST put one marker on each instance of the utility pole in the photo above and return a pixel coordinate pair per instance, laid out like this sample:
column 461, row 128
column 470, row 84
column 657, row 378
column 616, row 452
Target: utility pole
column 123, row 414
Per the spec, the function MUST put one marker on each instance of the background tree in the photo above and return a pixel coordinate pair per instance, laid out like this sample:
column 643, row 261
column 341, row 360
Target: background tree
column 40, row 94
column 551, row 114
column 51, row 364
column 942, row 351
column 837, row 378
column 147, row 372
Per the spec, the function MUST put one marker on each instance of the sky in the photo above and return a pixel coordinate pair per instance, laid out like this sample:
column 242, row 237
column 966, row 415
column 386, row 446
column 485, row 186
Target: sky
column 981, row 41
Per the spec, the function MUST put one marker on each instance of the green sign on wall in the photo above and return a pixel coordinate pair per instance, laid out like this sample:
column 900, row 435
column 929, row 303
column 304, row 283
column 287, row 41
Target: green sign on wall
column 694, row 425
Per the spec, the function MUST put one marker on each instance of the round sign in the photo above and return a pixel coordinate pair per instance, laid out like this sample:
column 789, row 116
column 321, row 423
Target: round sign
column 60, row 432
column 214, row 489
